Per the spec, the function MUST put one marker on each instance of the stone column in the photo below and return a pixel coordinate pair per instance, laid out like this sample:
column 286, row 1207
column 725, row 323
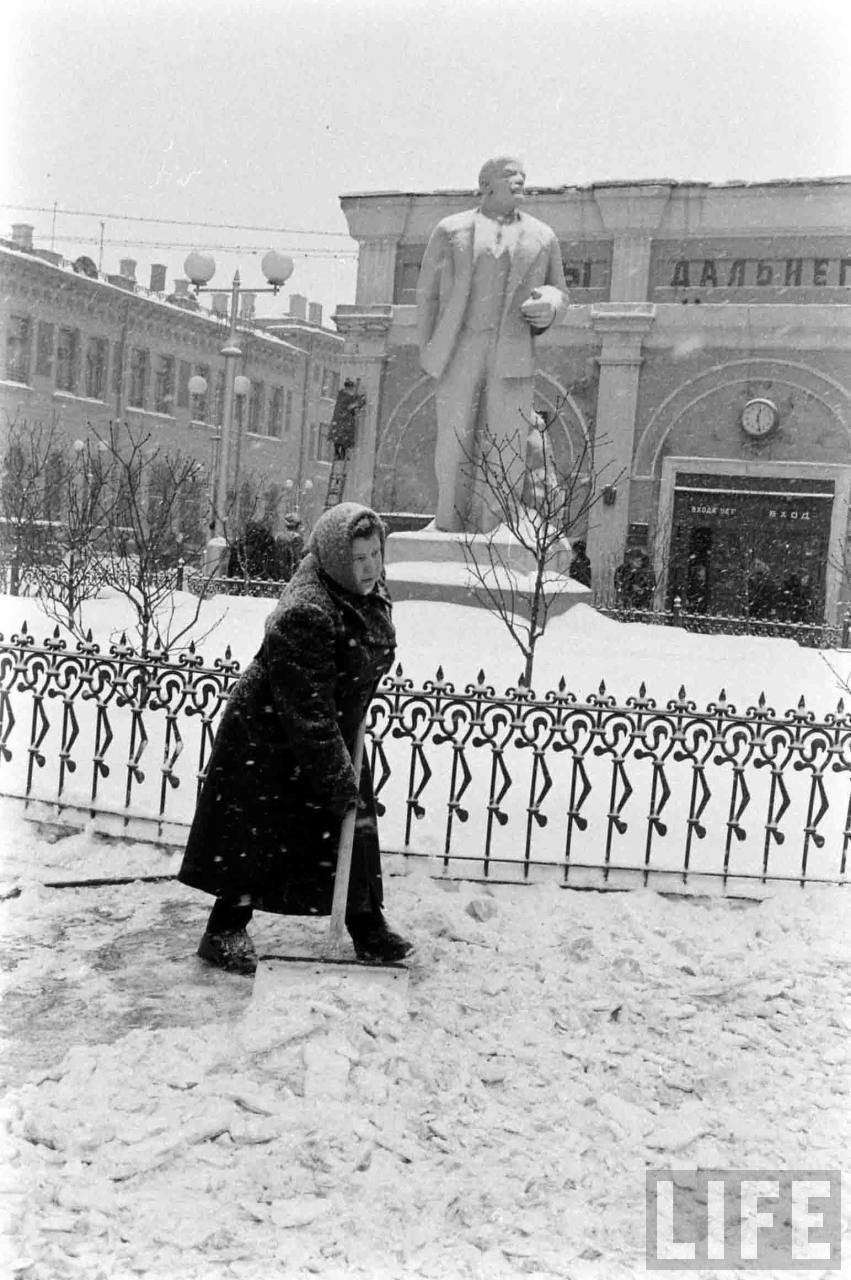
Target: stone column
column 632, row 215
column 378, row 227
column 630, row 267
column 376, row 270
column 622, row 330
column 365, row 331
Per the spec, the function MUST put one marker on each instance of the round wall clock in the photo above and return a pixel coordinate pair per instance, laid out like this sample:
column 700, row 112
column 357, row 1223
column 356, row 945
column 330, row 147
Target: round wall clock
column 759, row 418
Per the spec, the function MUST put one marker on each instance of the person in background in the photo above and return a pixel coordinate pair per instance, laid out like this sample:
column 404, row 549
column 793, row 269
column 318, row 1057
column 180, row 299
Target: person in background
column 580, row 565
column 289, row 547
column 697, row 587
column 280, row 776
column 343, row 427
column 635, row 581
column 254, row 555
column 761, row 594
column 796, row 597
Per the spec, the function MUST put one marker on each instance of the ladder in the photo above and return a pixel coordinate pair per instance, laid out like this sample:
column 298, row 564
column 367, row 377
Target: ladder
column 337, row 480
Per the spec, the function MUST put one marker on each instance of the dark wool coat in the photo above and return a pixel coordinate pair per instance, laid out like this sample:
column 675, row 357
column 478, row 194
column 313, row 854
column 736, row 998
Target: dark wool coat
column 280, row 776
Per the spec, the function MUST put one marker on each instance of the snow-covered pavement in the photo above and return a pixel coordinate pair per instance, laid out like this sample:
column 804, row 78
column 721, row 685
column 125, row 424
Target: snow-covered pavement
column 496, row 1120
column 166, row 1121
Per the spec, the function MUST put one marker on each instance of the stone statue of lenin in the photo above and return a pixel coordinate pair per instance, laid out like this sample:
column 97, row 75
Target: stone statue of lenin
column 490, row 280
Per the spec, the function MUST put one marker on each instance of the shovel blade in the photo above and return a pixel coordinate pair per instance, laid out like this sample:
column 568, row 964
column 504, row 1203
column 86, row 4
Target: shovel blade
column 331, row 969
column 293, row 994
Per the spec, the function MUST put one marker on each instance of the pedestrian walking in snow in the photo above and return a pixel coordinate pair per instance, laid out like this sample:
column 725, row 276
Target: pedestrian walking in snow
column 280, row 777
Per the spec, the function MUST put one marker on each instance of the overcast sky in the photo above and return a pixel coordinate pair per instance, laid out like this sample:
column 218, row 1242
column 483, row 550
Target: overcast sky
column 262, row 112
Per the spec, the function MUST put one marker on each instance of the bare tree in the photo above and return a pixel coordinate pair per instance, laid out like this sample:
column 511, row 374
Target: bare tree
column 155, row 521
column 27, row 486
column 520, row 568
column 71, row 572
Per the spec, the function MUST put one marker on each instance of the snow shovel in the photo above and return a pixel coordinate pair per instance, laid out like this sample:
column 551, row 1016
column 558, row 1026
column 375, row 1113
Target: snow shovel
column 336, row 954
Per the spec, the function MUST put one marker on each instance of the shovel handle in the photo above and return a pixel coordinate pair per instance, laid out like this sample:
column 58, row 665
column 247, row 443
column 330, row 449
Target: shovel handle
column 337, row 930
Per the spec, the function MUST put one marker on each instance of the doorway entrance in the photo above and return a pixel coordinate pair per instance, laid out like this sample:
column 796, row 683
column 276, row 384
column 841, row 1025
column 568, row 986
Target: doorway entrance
column 750, row 546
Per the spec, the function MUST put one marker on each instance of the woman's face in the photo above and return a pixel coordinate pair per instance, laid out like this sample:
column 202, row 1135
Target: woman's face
column 367, row 562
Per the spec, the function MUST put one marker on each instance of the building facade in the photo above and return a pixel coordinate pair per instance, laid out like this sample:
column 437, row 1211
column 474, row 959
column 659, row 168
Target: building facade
column 84, row 350
column 702, row 372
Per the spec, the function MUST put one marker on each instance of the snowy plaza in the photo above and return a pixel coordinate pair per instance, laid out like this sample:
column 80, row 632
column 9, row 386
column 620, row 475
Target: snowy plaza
column 497, row 1119
column 425, row 640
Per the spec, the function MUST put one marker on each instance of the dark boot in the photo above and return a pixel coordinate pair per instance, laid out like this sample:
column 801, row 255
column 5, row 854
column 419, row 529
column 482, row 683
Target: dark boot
column 373, row 941
column 233, row 952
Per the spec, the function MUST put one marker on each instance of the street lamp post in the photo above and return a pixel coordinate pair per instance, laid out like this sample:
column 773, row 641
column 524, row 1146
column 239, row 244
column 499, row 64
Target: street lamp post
column 295, row 495
column 200, row 269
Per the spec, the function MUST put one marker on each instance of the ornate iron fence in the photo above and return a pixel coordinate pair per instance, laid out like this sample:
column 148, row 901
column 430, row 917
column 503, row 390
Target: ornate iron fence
column 200, row 584
column 507, row 786
column 812, row 635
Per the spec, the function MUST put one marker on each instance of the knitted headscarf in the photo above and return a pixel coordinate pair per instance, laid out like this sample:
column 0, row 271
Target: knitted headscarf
column 331, row 540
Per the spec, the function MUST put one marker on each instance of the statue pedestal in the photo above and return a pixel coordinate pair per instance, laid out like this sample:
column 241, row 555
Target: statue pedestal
column 430, row 565
column 216, row 554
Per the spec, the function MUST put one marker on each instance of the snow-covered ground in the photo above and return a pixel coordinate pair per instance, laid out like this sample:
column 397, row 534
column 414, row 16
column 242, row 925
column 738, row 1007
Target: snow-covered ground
column 493, row 1118
column 581, row 645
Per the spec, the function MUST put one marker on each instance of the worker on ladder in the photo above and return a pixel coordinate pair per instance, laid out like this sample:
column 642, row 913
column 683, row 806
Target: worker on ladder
column 341, row 433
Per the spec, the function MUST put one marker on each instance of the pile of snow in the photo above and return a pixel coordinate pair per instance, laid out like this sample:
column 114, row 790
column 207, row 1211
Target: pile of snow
column 581, row 645
column 494, row 1120
column 56, row 855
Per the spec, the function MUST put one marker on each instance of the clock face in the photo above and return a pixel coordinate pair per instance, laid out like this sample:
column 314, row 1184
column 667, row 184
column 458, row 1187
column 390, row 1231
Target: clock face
column 759, row 418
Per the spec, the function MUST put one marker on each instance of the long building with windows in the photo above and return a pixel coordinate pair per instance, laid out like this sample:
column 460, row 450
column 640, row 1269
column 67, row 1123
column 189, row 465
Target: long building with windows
column 83, row 350
column 704, row 365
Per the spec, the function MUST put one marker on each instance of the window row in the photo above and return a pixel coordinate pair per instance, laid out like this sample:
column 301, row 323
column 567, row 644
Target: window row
column 80, row 365
column 268, row 415
column 59, row 354
column 53, row 487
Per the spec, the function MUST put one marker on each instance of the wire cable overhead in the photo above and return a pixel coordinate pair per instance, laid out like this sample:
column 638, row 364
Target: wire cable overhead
column 174, row 222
